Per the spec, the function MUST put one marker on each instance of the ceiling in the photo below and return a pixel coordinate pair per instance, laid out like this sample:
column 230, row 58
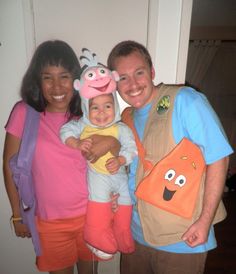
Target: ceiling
column 214, row 13
column 213, row 19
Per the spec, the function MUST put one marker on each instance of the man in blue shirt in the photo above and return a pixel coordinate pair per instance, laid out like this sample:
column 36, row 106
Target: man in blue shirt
column 194, row 119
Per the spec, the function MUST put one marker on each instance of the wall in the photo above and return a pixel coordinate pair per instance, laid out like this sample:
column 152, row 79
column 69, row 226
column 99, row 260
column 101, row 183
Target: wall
column 91, row 23
column 16, row 254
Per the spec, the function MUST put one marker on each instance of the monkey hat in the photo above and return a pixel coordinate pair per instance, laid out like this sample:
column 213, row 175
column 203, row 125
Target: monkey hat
column 95, row 80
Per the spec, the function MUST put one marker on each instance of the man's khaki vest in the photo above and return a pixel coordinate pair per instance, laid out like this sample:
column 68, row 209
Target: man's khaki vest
column 159, row 226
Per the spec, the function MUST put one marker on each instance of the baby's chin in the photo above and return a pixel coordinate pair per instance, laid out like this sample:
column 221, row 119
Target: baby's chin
column 101, row 123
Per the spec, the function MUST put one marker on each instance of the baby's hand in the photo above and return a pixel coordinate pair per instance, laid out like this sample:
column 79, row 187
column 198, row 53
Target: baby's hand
column 85, row 145
column 113, row 164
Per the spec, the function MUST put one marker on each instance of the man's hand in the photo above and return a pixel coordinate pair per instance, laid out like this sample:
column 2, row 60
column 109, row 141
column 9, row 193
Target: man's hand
column 114, row 201
column 197, row 233
column 100, row 146
column 85, row 145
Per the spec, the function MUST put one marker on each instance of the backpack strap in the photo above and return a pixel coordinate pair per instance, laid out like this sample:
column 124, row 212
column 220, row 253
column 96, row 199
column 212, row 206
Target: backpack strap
column 127, row 119
column 29, row 137
column 20, row 165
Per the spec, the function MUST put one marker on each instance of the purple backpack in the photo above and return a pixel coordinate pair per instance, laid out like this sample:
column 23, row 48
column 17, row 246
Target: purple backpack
column 20, row 165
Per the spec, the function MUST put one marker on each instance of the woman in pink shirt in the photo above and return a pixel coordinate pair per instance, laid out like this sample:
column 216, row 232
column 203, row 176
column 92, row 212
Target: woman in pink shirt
column 59, row 172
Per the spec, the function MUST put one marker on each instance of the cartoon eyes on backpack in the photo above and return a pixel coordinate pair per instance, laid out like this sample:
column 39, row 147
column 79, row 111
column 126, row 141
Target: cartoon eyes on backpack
column 170, row 174
column 180, row 180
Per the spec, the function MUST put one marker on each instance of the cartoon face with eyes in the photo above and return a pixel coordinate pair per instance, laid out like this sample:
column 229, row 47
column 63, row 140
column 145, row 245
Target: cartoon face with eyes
column 174, row 182
column 96, row 81
column 177, row 181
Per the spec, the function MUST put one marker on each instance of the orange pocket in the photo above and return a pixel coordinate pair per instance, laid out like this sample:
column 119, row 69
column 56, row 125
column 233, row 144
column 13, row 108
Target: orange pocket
column 173, row 183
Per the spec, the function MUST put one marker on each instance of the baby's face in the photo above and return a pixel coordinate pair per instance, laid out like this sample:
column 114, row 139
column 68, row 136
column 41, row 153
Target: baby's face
column 102, row 110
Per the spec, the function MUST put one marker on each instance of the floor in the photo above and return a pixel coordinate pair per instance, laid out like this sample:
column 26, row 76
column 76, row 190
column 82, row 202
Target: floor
column 222, row 260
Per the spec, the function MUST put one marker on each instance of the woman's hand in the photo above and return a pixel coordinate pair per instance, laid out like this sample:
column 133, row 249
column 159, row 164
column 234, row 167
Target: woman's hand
column 21, row 230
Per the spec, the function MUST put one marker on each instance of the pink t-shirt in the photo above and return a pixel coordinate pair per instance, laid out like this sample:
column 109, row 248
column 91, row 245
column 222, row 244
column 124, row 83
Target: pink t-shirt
column 59, row 172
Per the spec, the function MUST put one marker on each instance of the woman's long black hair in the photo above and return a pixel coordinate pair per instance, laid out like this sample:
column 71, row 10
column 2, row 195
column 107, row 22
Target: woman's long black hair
column 54, row 53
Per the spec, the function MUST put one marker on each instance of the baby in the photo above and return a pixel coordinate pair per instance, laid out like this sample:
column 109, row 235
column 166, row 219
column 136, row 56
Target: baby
column 105, row 232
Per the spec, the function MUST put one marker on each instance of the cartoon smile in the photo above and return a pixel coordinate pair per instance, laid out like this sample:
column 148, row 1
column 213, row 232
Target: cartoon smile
column 102, row 88
column 168, row 194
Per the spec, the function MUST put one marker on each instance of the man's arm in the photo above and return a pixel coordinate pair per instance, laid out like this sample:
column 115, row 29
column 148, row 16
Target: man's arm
column 101, row 145
column 214, row 184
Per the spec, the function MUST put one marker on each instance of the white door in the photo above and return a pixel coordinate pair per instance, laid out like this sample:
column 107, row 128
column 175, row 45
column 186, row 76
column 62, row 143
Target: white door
column 17, row 255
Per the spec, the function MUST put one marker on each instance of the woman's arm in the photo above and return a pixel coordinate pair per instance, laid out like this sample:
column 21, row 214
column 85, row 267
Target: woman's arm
column 11, row 147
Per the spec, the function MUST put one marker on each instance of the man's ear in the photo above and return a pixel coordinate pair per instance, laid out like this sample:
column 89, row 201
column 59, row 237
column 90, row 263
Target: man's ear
column 153, row 73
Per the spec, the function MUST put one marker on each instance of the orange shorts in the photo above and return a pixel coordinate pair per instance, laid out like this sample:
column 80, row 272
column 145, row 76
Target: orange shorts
column 62, row 244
